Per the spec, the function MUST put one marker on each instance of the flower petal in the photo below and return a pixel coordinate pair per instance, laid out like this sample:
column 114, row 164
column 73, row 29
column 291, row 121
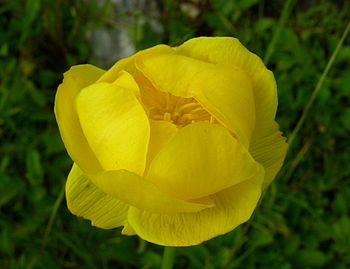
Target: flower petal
column 270, row 150
column 161, row 133
column 233, row 207
column 127, row 64
column 224, row 91
column 170, row 72
column 227, row 95
column 115, row 125
column 228, row 51
column 75, row 79
column 221, row 50
column 126, row 80
column 86, row 200
column 140, row 193
column 200, row 160
column 128, row 230
column 267, row 146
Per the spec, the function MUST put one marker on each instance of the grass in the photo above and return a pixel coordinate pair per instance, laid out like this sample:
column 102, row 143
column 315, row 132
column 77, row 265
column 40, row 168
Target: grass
column 303, row 220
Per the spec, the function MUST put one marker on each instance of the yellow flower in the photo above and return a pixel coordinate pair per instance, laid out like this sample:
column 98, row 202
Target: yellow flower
column 174, row 144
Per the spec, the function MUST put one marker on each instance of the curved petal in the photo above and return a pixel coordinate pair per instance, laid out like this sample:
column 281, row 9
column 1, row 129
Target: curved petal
column 270, row 151
column 227, row 94
column 128, row 230
column 140, row 193
column 200, row 160
column 127, row 64
column 267, row 146
column 126, row 80
column 228, row 51
column 221, row 50
column 115, row 125
column 161, row 133
column 86, row 200
column 75, row 79
column 234, row 206
column 265, row 95
column 171, row 72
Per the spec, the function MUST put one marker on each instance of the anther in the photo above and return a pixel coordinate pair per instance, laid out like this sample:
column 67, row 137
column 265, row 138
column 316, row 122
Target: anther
column 167, row 116
column 211, row 119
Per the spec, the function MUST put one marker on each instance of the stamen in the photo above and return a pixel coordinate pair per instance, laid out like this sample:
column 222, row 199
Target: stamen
column 198, row 109
column 158, row 117
column 211, row 119
column 187, row 105
column 164, row 106
column 190, row 116
column 167, row 116
column 167, row 101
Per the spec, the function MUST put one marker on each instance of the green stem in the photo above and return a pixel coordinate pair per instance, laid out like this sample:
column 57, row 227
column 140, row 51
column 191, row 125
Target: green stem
column 168, row 258
column 318, row 86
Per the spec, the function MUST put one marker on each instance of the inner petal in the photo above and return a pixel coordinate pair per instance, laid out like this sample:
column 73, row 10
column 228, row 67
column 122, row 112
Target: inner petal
column 224, row 91
column 164, row 106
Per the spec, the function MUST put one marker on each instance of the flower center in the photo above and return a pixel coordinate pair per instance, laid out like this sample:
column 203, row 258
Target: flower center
column 177, row 110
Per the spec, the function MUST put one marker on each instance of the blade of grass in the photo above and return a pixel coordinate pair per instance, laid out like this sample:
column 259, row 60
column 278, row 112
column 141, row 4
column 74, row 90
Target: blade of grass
column 168, row 258
column 82, row 253
column 288, row 169
column 276, row 35
column 318, row 86
column 52, row 218
column 243, row 238
column 36, row 259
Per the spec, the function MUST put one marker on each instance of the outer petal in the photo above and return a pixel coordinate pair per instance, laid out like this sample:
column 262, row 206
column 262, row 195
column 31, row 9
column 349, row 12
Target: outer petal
column 229, row 51
column 75, row 79
column 233, row 207
column 270, row 150
column 221, row 50
column 115, row 125
column 225, row 92
column 86, row 200
column 268, row 146
column 138, row 192
column 126, row 80
column 202, row 159
column 128, row 65
column 171, row 72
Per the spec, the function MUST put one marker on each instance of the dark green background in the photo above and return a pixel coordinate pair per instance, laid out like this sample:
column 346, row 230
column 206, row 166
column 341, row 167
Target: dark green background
column 303, row 220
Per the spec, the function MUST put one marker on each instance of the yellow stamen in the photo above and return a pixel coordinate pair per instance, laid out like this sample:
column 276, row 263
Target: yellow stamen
column 167, row 107
column 211, row 119
column 167, row 116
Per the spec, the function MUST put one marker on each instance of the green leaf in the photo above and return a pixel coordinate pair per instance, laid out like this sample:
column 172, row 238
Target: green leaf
column 261, row 238
column 33, row 164
column 31, row 10
column 311, row 258
column 341, row 230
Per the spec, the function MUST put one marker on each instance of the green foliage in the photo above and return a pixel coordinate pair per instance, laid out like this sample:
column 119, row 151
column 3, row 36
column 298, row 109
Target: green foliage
column 303, row 220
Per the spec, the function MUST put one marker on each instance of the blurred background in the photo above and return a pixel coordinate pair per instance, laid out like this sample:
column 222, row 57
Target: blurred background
column 303, row 220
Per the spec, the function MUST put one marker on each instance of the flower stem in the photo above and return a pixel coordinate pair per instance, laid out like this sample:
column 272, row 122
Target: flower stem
column 168, row 258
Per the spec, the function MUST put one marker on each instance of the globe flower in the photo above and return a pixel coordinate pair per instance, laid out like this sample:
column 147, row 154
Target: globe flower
column 175, row 144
